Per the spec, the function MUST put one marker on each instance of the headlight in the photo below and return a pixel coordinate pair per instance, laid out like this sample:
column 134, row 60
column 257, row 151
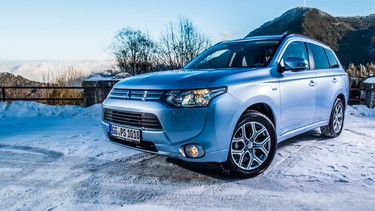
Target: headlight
column 192, row 98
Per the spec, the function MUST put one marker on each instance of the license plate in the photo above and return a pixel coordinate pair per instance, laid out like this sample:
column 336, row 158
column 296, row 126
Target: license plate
column 129, row 134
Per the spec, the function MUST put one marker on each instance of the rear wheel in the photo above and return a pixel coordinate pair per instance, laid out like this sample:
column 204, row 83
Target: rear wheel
column 336, row 121
column 253, row 145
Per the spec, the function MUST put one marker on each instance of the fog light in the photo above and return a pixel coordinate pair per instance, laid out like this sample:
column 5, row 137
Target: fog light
column 194, row 150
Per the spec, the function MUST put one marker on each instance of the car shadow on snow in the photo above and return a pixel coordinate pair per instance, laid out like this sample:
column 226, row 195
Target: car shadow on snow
column 213, row 170
column 309, row 136
column 151, row 178
column 217, row 170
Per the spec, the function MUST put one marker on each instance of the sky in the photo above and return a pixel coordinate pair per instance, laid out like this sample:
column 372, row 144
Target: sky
column 83, row 29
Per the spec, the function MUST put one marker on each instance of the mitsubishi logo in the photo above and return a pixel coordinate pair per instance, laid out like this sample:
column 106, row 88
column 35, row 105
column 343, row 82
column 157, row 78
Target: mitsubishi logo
column 127, row 94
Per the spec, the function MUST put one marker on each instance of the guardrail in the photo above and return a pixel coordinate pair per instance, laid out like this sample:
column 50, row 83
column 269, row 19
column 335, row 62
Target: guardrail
column 5, row 88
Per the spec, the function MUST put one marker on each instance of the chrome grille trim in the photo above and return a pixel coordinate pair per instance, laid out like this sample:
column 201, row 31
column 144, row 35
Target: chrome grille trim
column 144, row 121
column 128, row 94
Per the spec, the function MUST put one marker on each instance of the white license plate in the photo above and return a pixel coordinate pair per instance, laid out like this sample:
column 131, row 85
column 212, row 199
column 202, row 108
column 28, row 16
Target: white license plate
column 128, row 134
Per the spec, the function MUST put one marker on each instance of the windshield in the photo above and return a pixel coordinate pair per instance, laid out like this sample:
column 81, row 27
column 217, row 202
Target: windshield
column 236, row 54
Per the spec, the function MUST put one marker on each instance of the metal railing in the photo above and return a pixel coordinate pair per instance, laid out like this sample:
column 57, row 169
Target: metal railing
column 5, row 88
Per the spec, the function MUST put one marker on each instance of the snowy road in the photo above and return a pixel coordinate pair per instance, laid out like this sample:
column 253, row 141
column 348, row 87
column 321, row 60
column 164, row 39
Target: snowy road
column 55, row 158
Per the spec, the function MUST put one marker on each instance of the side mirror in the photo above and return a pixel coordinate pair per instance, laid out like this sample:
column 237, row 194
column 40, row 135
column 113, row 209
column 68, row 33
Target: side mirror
column 294, row 64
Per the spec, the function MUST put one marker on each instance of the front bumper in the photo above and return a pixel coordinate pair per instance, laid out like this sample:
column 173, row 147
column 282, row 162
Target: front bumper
column 211, row 127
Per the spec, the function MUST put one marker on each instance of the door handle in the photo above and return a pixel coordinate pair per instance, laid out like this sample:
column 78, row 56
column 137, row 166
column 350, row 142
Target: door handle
column 312, row 83
column 334, row 80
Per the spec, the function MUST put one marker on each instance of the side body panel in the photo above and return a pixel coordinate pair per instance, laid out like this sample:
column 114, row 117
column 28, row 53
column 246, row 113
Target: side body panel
column 298, row 100
column 330, row 83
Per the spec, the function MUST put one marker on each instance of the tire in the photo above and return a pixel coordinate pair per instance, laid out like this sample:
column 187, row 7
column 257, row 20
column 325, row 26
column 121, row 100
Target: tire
column 251, row 153
column 336, row 121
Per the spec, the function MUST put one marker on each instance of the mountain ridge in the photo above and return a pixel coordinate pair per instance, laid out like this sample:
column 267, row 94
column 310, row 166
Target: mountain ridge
column 352, row 38
column 10, row 79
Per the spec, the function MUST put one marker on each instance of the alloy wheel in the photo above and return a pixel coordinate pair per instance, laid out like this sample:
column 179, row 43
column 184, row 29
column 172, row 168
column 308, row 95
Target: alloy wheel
column 251, row 145
column 338, row 118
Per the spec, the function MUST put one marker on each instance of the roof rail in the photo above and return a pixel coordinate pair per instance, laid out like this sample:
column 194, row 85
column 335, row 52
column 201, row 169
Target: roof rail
column 285, row 34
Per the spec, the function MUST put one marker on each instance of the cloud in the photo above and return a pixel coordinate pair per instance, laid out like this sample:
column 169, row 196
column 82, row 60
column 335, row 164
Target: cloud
column 226, row 35
column 34, row 70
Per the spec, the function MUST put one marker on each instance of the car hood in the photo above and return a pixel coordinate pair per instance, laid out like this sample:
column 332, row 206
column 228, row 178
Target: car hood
column 174, row 79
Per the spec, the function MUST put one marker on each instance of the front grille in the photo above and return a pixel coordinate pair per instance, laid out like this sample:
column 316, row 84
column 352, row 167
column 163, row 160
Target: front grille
column 134, row 119
column 145, row 145
column 127, row 94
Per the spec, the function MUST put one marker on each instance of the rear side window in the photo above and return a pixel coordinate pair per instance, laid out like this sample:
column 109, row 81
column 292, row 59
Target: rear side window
column 320, row 57
column 333, row 63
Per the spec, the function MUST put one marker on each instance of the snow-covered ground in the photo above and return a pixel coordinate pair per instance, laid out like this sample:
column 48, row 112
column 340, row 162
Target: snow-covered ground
column 56, row 158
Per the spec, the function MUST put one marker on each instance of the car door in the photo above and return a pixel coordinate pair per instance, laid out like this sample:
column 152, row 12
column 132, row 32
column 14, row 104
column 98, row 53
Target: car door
column 297, row 93
column 328, row 78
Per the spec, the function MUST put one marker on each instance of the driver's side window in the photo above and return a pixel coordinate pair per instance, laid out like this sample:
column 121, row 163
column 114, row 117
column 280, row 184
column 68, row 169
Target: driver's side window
column 296, row 49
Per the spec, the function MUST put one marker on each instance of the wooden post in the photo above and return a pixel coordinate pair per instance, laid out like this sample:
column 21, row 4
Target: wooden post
column 3, row 93
column 96, row 91
column 369, row 87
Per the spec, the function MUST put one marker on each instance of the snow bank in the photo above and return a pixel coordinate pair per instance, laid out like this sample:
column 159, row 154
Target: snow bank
column 22, row 110
column 370, row 80
column 98, row 78
column 360, row 111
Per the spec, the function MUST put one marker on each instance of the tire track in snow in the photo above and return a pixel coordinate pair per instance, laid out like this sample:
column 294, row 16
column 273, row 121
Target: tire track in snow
column 149, row 174
column 359, row 133
column 148, row 179
column 154, row 179
column 280, row 168
column 19, row 162
column 157, row 180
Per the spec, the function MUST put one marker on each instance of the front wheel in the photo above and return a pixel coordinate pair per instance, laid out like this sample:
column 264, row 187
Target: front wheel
column 253, row 145
column 336, row 121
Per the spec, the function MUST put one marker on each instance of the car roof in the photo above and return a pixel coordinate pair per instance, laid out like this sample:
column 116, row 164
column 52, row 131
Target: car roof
column 280, row 38
column 255, row 38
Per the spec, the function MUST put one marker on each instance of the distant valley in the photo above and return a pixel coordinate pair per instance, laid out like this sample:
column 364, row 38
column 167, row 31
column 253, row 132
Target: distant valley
column 42, row 70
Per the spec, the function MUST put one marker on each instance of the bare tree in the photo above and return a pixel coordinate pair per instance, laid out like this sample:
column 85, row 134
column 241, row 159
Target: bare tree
column 134, row 50
column 180, row 43
column 70, row 78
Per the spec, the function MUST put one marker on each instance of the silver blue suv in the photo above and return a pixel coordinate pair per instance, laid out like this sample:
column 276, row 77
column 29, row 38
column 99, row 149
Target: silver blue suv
column 233, row 103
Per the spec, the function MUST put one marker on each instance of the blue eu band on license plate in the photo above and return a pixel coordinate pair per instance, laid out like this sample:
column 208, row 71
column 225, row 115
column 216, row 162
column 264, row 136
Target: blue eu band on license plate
column 128, row 134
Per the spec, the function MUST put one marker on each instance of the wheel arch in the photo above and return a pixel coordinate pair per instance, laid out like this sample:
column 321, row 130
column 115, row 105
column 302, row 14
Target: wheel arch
column 263, row 108
column 341, row 96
